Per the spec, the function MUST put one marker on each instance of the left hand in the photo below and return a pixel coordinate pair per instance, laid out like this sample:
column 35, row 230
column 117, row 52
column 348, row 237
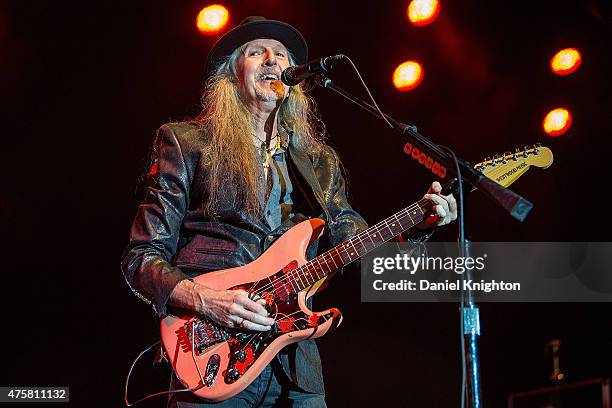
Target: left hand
column 445, row 208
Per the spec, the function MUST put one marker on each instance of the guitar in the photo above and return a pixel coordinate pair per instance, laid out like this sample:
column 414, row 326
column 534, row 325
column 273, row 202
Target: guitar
column 215, row 362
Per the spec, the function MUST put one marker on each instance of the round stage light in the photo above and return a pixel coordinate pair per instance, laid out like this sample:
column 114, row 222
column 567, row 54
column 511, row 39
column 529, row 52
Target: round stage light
column 407, row 75
column 423, row 12
column 566, row 61
column 212, row 19
column 557, row 122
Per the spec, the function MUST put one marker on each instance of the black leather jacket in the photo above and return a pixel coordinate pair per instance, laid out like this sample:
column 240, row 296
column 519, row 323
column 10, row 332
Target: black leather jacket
column 171, row 239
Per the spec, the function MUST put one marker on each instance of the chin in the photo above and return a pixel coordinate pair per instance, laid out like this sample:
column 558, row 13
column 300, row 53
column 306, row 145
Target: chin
column 267, row 96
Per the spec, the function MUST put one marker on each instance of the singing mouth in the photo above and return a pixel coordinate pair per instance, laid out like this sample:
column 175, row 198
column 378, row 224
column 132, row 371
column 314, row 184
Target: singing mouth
column 267, row 77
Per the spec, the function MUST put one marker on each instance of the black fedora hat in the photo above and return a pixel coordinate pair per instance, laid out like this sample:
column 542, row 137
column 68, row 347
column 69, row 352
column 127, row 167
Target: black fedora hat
column 252, row 28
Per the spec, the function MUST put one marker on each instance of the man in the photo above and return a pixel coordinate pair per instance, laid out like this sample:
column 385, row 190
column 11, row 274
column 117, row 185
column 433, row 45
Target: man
column 222, row 187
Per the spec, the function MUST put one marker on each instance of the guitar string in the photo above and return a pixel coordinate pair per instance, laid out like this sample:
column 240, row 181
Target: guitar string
column 401, row 215
column 290, row 277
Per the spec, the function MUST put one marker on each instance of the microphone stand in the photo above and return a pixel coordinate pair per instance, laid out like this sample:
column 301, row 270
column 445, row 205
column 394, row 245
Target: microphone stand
column 515, row 205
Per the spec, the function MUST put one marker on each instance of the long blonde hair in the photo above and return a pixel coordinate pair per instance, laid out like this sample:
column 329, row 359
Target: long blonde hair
column 233, row 169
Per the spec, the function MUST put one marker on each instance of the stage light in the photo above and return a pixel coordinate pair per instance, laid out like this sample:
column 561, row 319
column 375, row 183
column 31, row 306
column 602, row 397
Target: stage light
column 408, row 75
column 557, row 122
column 423, row 12
column 212, row 19
column 566, row 61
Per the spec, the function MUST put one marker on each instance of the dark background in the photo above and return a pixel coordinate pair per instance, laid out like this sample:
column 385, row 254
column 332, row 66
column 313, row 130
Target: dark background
column 85, row 85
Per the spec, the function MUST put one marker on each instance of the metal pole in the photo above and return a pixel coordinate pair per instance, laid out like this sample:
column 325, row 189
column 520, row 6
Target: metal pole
column 471, row 332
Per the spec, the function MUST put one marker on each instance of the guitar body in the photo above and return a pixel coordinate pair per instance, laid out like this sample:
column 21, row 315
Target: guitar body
column 219, row 362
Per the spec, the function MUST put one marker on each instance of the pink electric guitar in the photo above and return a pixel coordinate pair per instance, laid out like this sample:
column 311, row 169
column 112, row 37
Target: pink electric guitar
column 216, row 362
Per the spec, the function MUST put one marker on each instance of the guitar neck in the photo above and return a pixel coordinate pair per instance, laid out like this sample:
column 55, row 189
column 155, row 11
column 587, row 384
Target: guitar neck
column 361, row 244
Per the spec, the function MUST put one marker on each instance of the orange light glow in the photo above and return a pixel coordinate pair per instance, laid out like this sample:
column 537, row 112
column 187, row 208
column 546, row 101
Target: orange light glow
column 557, row 122
column 408, row 75
column 212, row 19
column 423, row 12
column 566, row 61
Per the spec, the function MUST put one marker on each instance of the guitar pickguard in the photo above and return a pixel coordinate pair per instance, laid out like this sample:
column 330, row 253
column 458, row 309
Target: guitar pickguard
column 246, row 346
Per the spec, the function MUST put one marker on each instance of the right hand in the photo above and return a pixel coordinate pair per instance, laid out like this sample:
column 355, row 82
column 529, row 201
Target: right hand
column 234, row 309
column 229, row 308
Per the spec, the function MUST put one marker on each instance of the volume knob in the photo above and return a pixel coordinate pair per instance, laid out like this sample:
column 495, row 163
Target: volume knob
column 233, row 374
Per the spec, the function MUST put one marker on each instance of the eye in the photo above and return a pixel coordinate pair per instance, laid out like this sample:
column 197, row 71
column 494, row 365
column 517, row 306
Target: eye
column 254, row 52
column 280, row 54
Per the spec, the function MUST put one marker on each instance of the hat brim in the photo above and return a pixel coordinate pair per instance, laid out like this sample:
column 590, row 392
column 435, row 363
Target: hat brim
column 289, row 36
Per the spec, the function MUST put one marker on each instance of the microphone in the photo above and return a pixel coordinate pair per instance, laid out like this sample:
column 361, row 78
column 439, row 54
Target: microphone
column 294, row 75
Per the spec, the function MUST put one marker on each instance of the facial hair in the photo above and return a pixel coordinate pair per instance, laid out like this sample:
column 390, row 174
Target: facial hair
column 276, row 93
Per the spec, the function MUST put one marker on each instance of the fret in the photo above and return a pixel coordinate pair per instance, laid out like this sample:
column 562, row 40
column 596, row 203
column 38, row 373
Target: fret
column 342, row 247
column 333, row 258
column 354, row 254
column 303, row 279
column 410, row 216
column 312, row 267
column 394, row 224
column 318, row 259
column 309, row 277
column 368, row 243
column 375, row 235
column 389, row 228
column 299, row 276
column 288, row 277
column 358, row 245
column 326, row 257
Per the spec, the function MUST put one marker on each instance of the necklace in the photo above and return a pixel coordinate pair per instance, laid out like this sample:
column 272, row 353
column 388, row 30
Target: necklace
column 267, row 152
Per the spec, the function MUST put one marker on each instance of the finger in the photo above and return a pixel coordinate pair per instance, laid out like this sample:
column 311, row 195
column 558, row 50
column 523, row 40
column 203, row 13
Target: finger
column 247, row 325
column 242, row 323
column 253, row 317
column 435, row 188
column 441, row 212
column 236, row 322
column 452, row 206
column 439, row 200
column 243, row 300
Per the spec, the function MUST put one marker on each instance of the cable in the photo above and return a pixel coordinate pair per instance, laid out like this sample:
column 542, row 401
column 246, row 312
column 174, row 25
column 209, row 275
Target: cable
column 382, row 115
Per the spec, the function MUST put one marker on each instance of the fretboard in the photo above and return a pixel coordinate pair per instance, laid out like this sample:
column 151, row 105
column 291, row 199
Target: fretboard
column 359, row 245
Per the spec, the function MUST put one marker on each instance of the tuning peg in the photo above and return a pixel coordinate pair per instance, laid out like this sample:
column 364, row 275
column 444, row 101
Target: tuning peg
column 506, row 156
column 526, row 151
column 536, row 147
column 517, row 153
column 497, row 159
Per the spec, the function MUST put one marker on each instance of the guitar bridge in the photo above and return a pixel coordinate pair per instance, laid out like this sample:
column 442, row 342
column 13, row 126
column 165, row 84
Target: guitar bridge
column 207, row 333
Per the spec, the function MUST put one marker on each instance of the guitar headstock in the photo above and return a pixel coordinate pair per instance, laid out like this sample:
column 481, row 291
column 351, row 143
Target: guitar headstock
column 506, row 168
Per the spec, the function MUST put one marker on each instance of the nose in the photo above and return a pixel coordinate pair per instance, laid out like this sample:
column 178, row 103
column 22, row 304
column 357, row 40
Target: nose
column 270, row 57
